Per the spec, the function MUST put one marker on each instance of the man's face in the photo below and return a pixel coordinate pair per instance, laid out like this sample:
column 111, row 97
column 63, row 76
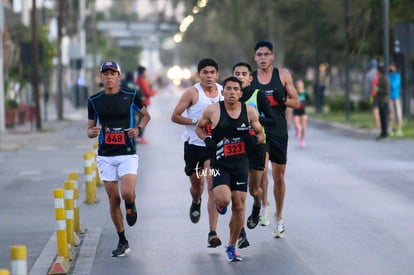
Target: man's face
column 263, row 57
column 208, row 76
column 232, row 92
column 110, row 79
column 242, row 73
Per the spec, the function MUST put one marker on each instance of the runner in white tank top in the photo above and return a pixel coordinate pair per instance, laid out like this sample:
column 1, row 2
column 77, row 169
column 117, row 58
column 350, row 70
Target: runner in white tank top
column 187, row 112
column 196, row 111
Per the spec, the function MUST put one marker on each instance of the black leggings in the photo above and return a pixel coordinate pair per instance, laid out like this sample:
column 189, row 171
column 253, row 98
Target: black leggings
column 383, row 113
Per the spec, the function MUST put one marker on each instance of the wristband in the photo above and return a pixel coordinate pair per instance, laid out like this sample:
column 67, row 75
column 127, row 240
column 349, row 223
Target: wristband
column 140, row 129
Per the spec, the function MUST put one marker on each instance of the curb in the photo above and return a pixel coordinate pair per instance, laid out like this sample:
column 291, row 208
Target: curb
column 82, row 264
column 345, row 129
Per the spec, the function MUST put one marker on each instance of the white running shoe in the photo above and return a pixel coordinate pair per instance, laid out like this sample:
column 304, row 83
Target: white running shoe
column 279, row 230
column 264, row 216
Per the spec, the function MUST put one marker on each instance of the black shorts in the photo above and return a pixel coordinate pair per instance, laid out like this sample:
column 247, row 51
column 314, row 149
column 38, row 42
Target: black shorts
column 257, row 157
column 277, row 148
column 194, row 157
column 236, row 178
column 299, row 112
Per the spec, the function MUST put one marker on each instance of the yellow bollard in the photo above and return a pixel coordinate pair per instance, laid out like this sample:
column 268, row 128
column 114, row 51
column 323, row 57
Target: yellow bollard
column 4, row 272
column 97, row 177
column 90, row 184
column 73, row 176
column 73, row 238
column 18, row 256
column 61, row 235
column 61, row 263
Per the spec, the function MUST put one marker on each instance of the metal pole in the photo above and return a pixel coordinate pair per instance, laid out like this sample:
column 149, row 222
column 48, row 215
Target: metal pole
column 347, row 86
column 317, row 89
column 386, row 9
column 2, row 111
column 94, row 48
column 60, row 65
column 35, row 71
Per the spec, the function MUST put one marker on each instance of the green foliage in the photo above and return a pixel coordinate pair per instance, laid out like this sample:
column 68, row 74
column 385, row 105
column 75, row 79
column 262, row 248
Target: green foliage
column 11, row 104
column 227, row 30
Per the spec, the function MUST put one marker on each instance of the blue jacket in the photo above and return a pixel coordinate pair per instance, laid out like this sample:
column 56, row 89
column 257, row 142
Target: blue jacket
column 395, row 85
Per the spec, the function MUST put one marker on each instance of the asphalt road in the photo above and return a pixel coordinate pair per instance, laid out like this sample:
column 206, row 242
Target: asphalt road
column 348, row 206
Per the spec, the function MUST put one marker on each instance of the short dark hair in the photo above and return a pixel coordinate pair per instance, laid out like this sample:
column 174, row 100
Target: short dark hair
column 381, row 69
column 264, row 43
column 243, row 64
column 141, row 69
column 232, row 79
column 206, row 62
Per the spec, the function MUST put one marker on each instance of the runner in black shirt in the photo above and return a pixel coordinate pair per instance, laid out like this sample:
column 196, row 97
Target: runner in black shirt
column 110, row 116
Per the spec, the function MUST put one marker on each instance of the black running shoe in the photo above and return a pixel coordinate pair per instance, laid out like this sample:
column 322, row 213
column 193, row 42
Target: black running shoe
column 195, row 212
column 253, row 219
column 122, row 250
column 213, row 239
column 131, row 215
column 242, row 241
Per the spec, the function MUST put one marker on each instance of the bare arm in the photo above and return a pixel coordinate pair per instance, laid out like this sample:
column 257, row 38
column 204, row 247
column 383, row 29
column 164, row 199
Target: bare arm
column 145, row 118
column 93, row 130
column 204, row 120
column 255, row 124
column 185, row 101
column 292, row 98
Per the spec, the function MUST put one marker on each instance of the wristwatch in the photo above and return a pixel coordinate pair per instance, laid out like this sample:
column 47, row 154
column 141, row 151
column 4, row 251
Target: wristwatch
column 140, row 129
column 194, row 121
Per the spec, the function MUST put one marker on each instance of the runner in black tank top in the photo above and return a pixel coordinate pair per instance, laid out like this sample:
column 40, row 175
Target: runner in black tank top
column 231, row 149
column 280, row 129
column 281, row 93
column 230, row 121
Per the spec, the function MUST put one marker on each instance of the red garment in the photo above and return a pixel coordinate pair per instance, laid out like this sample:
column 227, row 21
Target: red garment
column 144, row 86
column 374, row 86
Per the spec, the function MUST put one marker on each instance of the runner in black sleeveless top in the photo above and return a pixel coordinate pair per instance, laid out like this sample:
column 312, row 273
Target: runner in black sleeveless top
column 230, row 122
column 280, row 91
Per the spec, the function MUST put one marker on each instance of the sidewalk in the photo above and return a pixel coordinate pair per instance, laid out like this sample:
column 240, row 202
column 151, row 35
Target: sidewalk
column 24, row 134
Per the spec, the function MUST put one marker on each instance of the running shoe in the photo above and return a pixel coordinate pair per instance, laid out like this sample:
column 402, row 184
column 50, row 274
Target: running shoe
column 264, row 216
column 297, row 133
column 253, row 219
column 213, row 239
column 302, row 143
column 122, row 250
column 222, row 210
column 279, row 230
column 242, row 241
column 131, row 215
column 399, row 133
column 195, row 212
column 232, row 254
